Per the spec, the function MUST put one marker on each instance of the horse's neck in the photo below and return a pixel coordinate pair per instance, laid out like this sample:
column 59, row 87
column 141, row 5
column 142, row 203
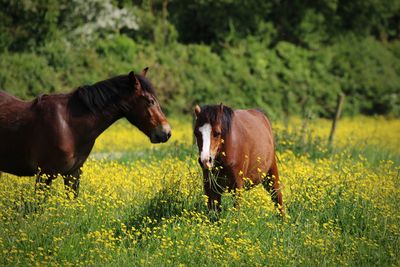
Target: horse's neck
column 103, row 120
column 91, row 124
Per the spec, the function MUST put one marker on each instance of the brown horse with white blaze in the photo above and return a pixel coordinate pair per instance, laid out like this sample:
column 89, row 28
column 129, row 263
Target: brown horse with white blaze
column 54, row 134
column 236, row 146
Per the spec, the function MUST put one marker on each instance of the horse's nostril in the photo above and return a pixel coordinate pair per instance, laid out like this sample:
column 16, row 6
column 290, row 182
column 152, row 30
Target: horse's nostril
column 169, row 134
column 209, row 159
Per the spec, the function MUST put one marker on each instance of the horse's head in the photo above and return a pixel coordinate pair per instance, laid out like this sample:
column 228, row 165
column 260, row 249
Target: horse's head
column 144, row 110
column 212, row 125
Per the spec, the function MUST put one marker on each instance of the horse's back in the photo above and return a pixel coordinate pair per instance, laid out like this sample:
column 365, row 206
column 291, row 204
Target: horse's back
column 252, row 143
column 14, row 113
column 254, row 126
column 16, row 122
column 36, row 133
column 5, row 97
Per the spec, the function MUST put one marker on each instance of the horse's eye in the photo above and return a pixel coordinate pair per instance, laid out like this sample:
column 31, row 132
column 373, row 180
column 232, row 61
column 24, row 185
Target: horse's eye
column 216, row 134
column 151, row 101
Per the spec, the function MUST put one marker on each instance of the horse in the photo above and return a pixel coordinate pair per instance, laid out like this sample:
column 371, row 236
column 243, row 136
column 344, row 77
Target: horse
column 236, row 149
column 54, row 134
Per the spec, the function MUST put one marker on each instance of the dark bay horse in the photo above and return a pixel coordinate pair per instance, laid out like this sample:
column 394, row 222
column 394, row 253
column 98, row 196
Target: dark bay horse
column 236, row 147
column 54, row 134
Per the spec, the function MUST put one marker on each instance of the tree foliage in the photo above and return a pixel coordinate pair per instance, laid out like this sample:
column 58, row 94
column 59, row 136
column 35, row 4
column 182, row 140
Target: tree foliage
column 286, row 57
column 300, row 22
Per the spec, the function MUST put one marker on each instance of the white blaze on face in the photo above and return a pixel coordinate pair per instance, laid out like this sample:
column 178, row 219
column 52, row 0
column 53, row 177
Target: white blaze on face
column 206, row 136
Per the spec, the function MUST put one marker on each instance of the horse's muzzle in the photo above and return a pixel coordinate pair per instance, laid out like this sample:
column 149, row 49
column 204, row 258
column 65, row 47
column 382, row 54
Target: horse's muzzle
column 161, row 134
column 206, row 164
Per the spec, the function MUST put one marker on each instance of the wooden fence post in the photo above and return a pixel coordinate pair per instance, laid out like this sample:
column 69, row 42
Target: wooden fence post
column 338, row 111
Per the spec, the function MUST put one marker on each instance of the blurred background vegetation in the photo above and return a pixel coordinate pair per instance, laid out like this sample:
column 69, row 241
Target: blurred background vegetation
column 284, row 56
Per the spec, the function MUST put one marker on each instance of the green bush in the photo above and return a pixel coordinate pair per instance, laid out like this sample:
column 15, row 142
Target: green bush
column 283, row 80
column 368, row 73
column 285, row 57
column 27, row 75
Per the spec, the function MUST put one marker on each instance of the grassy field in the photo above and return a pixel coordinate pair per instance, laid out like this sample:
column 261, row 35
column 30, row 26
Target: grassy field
column 142, row 204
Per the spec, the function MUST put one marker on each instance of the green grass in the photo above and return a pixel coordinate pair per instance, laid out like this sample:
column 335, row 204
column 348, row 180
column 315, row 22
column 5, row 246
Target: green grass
column 340, row 213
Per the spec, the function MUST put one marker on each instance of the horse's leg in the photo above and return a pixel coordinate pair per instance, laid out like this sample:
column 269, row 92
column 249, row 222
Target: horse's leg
column 43, row 182
column 42, row 186
column 272, row 185
column 211, row 191
column 237, row 192
column 71, row 182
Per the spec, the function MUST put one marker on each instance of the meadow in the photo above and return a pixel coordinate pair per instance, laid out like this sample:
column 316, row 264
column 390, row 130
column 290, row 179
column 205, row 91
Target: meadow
column 143, row 205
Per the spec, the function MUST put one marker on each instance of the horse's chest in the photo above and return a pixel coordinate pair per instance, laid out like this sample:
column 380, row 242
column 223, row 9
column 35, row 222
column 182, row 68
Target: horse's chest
column 61, row 162
column 239, row 168
column 61, row 154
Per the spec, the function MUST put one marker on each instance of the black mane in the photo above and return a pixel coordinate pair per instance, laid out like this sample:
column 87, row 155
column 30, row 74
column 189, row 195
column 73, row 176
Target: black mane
column 209, row 113
column 110, row 92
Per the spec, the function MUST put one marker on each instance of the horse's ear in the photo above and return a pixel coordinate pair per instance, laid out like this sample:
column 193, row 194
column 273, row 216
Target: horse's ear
column 134, row 80
column 144, row 71
column 197, row 110
column 221, row 107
